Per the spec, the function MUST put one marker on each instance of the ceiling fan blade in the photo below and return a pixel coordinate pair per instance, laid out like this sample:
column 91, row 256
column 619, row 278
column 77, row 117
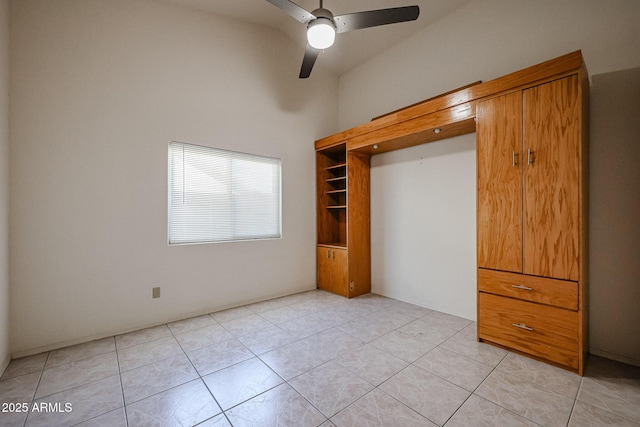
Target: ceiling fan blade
column 293, row 10
column 374, row 18
column 310, row 56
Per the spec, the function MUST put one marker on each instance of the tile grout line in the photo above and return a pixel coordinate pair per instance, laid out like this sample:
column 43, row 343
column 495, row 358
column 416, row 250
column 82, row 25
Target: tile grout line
column 288, row 381
column 35, row 391
column 184, row 353
column 543, row 387
column 222, row 411
column 194, row 368
column 303, row 396
column 575, row 400
column 79, row 385
column 472, row 393
column 33, row 400
column 437, row 376
column 377, row 387
column 124, row 402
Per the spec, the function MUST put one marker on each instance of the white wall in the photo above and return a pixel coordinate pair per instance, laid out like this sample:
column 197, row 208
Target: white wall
column 423, row 239
column 423, row 225
column 4, row 184
column 99, row 87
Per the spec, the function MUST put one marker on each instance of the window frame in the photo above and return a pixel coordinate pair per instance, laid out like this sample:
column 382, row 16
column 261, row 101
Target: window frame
column 231, row 154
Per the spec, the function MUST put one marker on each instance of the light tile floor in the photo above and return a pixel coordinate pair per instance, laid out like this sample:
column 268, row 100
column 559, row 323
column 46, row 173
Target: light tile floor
column 311, row 359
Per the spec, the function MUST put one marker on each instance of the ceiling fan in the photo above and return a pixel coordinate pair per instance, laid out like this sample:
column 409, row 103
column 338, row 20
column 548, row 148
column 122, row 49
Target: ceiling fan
column 322, row 26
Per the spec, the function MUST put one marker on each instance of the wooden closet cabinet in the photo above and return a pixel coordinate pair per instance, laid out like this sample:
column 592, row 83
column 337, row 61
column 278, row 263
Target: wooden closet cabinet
column 531, row 223
column 532, row 161
column 343, row 235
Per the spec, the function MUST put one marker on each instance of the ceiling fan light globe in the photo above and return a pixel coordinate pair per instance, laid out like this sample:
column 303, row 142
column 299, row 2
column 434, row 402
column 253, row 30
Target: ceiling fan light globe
column 321, row 33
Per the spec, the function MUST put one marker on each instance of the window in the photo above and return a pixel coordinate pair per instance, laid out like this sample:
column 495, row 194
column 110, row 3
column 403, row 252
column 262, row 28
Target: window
column 219, row 195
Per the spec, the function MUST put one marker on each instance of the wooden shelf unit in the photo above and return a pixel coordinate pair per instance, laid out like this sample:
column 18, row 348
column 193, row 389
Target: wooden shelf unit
column 343, row 233
column 331, row 168
column 557, row 88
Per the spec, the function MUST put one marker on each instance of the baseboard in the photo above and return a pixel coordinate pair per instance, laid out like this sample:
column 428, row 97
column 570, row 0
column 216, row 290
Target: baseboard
column 4, row 364
column 56, row 346
column 617, row 357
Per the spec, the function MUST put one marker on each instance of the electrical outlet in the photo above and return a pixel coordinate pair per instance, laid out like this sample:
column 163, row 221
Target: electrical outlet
column 155, row 293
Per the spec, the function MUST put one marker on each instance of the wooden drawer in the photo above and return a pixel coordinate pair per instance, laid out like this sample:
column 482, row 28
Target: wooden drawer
column 559, row 293
column 542, row 331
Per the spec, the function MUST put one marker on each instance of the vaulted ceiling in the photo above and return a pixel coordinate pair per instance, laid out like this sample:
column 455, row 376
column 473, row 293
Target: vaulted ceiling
column 351, row 49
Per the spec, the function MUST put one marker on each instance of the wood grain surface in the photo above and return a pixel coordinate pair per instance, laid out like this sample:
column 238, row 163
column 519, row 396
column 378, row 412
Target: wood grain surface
column 554, row 334
column 499, row 171
column 551, row 190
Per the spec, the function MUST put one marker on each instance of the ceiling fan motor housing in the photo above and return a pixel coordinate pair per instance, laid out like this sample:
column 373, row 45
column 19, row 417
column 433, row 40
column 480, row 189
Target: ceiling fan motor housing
column 323, row 13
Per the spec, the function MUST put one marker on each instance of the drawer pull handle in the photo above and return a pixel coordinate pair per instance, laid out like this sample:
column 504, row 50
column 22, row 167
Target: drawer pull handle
column 522, row 326
column 524, row 288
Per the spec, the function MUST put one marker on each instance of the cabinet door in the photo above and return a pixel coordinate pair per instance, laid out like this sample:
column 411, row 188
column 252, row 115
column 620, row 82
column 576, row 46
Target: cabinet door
column 339, row 272
column 324, row 268
column 499, row 168
column 551, row 176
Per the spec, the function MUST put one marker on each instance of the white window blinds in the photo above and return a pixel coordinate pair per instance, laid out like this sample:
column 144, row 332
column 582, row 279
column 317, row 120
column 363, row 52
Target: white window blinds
column 218, row 195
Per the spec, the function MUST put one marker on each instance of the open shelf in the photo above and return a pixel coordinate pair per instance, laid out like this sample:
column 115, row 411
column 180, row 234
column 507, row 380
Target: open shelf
column 332, row 195
column 336, row 166
column 339, row 245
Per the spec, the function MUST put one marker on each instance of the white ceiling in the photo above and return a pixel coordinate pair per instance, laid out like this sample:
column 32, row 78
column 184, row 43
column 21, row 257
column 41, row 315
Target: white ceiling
column 351, row 49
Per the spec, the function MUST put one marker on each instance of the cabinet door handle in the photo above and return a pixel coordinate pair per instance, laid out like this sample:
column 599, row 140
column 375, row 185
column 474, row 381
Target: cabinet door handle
column 524, row 288
column 530, row 157
column 328, row 254
column 522, row 326
column 333, row 254
column 514, row 159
